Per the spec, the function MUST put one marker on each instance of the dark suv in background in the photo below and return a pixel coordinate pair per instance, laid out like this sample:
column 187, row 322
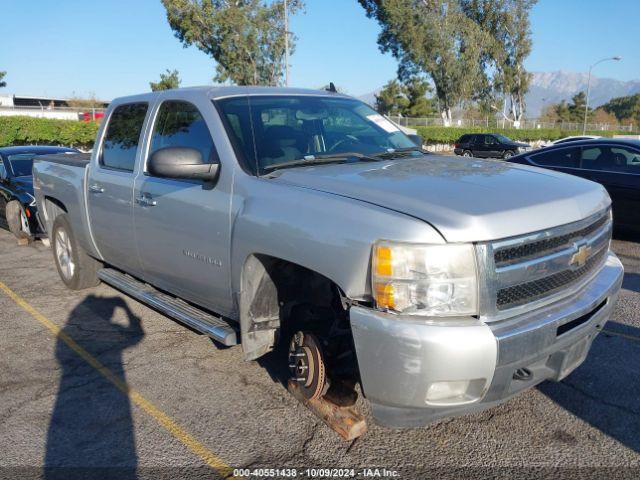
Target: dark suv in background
column 486, row 145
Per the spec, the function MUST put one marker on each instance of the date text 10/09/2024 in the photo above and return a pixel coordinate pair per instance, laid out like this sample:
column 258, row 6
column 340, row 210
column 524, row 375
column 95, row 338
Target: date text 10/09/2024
column 316, row 472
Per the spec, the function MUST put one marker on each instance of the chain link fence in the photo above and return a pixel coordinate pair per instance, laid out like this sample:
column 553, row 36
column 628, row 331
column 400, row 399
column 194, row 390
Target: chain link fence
column 488, row 122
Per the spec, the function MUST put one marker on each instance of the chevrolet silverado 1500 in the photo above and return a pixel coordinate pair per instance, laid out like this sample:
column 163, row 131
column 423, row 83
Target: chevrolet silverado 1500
column 281, row 217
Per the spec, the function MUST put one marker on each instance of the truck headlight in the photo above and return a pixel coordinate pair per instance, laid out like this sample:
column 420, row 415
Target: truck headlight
column 429, row 280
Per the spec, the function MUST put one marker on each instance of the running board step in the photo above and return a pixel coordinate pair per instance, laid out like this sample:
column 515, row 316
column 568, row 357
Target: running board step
column 173, row 307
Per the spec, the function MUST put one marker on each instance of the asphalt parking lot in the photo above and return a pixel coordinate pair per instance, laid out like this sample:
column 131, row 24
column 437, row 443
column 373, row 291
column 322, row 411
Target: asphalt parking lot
column 94, row 379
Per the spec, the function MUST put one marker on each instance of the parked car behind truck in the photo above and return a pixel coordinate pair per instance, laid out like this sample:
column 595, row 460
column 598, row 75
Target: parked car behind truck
column 17, row 203
column 266, row 217
column 614, row 163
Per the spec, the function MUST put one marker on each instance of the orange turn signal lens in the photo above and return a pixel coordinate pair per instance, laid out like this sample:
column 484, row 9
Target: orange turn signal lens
column 384, row 268
column 384, row 296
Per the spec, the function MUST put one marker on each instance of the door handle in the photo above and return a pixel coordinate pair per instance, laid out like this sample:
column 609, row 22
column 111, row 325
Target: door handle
column 95, row 188
column 146, row 201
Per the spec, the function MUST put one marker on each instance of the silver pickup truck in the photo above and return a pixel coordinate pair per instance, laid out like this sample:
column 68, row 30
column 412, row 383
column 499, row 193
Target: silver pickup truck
column 304, row 222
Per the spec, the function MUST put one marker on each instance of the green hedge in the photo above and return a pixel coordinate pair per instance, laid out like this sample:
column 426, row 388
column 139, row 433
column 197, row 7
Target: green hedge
column 29, row 130
column 451, row 134
column 46, row 131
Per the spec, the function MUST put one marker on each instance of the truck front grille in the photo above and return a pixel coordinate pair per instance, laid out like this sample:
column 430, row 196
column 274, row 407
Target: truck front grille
column 544, row 266
column 530, row 291
column 518, row 253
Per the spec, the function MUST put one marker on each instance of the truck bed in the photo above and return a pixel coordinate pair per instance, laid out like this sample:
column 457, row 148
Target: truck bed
column 58, row 182
column 71, row 159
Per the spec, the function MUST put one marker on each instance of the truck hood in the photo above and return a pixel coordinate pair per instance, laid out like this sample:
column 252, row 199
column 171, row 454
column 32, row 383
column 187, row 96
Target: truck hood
column 466, row 200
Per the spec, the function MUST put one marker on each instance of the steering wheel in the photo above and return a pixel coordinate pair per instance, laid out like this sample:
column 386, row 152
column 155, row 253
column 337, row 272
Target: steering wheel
column 349, row 139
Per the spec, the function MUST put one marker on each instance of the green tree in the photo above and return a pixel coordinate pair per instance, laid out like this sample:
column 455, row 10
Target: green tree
column 168, row 80
column 391, row 100
column 2, row 82
column 562, row 111
column 624, row 108
column 434, row 38
column 416, row 89
column 567, row 112
column 576, row 108
column 408, row 99
column 246, row 38
column 507, row 22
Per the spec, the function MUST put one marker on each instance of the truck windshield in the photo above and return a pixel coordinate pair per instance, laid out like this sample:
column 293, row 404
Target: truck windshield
column 274, row 130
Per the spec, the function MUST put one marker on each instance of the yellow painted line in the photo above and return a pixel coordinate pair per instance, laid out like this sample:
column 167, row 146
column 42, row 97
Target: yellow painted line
column 158, row 415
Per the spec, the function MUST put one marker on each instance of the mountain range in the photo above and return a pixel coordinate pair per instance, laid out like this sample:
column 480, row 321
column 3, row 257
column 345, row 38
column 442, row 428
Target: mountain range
column 552, row 87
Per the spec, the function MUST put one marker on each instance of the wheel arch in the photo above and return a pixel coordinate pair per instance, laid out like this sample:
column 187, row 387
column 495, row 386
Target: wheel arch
column 52, row 207
column 267, row 285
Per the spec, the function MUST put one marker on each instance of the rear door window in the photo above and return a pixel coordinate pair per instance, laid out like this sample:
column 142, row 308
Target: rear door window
column 611, row 159
column 627, row 160
column 121, row 140
column 561, row 158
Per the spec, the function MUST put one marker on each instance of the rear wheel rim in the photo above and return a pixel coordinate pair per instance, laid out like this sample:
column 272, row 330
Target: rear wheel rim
column 64, row 254
column 466, row 154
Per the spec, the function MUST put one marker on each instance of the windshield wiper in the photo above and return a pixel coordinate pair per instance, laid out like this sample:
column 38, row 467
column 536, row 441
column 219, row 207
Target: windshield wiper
column 399, row 152
column 320, row 159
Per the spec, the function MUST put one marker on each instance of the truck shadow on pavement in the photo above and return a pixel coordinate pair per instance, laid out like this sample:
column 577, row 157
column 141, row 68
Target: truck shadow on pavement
column 604, row 391
column 91, row 433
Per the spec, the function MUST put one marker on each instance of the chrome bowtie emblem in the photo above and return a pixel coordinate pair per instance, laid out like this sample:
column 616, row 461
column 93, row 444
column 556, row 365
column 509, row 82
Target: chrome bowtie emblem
column 579, row 259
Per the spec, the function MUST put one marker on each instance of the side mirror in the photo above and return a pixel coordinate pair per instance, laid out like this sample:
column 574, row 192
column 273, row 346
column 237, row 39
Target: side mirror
column 417, row 139
column 182, row 163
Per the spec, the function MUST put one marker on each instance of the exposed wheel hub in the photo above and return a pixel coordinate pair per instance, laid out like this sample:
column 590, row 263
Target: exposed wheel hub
column 307, row 365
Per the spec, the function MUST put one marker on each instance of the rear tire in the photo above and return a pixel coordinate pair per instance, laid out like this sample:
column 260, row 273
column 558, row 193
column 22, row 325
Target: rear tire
column 467, row 154
column 76, row 268
column 17, row 220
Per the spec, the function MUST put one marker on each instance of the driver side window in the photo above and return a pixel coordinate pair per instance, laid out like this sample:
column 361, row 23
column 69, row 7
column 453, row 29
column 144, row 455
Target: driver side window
column 180, row 124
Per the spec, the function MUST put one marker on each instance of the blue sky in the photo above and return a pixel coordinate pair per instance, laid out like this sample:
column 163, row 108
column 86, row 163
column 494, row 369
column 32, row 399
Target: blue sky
column 112, row 48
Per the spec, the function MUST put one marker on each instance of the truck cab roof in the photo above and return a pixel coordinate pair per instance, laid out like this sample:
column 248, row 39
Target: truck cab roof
column 218, row 92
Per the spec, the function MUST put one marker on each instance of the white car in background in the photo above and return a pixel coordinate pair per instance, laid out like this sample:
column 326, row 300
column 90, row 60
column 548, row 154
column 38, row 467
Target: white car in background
column 569, row 139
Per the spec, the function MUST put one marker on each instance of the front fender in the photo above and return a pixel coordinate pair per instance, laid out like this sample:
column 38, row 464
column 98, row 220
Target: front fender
column 326, row 233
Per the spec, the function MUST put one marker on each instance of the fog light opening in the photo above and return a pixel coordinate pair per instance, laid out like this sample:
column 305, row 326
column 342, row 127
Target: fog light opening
column 522, row 374
column 455, row 392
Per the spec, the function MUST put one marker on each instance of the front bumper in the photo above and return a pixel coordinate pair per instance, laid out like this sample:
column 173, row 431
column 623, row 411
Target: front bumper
column 401, row 357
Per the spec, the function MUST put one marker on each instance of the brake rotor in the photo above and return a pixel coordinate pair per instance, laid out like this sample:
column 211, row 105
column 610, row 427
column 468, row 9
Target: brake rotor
column 307, row 366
